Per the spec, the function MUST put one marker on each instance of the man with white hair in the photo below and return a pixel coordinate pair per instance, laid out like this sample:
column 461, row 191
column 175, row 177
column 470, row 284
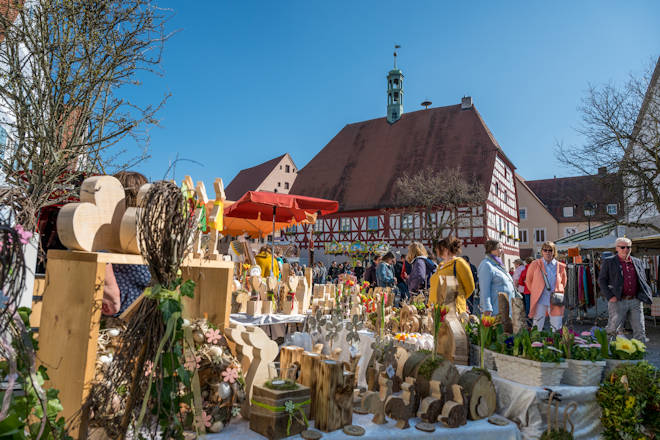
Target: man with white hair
column 623, row 283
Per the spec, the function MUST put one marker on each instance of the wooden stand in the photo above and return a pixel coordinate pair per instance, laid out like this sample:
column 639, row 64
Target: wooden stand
column 334, row 395
column 71, row 314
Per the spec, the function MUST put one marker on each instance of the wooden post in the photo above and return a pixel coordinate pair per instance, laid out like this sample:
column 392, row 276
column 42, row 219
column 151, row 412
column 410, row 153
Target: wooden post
column 334, row 395
column 290, row 356
column 307, row 376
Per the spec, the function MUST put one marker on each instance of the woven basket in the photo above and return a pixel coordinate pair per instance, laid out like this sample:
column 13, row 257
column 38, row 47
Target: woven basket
column 527, row 372
column 611, row 364
column 475, row 357
column 583, row 373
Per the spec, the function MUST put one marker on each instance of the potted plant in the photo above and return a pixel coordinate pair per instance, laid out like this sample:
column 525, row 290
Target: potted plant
column 584, row 358
column 630, row 402
column 622, row 351
column 532, row 358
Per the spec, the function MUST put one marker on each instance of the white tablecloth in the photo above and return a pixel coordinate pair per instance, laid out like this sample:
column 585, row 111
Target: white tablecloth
column 271, row 318
column 478, row 430
column 528, row 407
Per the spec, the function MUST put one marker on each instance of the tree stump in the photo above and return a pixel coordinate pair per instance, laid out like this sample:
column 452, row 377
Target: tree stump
column 480, row 393
column 333, row 398
column 307, row 376
column 291, row 356
column 445, row 372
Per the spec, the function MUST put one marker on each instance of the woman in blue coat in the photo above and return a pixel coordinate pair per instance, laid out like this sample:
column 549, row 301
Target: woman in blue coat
column 494, row 278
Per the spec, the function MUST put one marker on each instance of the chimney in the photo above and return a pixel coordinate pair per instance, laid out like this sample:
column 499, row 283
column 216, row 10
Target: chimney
column 466, row 102
column 602, row 171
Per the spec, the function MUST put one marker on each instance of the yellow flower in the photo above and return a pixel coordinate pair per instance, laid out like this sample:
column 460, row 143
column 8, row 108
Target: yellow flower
column 630, row 402
column 639, row 345
column 625, row 345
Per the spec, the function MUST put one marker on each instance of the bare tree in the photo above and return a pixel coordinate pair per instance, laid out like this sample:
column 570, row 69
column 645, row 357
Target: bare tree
column 441, row 197
column 621, row 125
column 67, row 71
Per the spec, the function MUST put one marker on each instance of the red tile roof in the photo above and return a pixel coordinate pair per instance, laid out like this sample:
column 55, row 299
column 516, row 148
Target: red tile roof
column 601, row 189
column 250, row 178
column 9, row 10
column 360, row 165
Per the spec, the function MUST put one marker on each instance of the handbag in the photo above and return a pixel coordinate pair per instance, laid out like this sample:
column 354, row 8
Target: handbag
column 556, row 298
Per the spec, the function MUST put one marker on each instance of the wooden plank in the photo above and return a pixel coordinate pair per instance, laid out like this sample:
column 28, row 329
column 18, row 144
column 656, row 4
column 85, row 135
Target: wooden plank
column 212, row 299
column 70, row 328
column 37, row 300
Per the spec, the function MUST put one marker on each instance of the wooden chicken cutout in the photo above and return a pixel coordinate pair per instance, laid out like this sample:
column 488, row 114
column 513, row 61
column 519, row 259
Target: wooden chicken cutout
column 93, row 223
column 454, row 412
column 374, row 401
column 404, row 407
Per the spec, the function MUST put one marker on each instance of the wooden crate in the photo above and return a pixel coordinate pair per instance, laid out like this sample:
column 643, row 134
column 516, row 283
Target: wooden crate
column 272, row 424
column 71, row 314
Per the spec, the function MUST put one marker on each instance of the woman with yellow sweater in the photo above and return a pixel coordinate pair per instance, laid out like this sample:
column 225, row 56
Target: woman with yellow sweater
column 448, row 249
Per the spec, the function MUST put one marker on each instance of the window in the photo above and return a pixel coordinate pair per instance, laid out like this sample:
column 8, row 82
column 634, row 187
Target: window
column 287, row 168
column 345, row 225
column 611, row 209
column 279, row 184
column 372, row 223
column 568, row 211
column 497, row 189
column 407, row 221
column 504, row 197
column 286, row 185
column 539, row 235
column 522, row 212
column 275, row 190
column 522, row 235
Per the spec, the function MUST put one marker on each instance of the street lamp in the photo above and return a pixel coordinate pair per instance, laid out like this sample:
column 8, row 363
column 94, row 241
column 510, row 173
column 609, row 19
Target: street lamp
column 589, row 211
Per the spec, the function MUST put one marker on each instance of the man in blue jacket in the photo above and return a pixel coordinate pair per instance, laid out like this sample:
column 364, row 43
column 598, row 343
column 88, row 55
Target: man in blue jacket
column 623, row 283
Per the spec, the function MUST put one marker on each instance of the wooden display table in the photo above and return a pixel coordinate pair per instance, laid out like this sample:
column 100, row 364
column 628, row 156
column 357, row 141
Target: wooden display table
column 71, row 313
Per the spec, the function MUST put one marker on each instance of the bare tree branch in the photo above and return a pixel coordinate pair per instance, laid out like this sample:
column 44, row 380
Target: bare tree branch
column 67, row 71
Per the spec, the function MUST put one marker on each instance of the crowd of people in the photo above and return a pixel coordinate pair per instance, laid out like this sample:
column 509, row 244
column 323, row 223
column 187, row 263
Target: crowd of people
column 525, row 295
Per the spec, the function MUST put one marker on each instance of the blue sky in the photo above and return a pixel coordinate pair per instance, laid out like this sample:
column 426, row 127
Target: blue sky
column 251, row 80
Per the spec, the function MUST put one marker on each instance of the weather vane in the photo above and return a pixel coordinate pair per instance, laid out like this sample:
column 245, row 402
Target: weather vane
column 396, row 46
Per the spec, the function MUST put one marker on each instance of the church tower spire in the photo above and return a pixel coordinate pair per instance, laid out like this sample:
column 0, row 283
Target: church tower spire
column 394, row 92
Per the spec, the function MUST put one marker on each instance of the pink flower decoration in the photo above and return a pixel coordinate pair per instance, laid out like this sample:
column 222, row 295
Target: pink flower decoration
column 192, row 362
column 594, row 345
column 537, row 344
column 230, row 375
column 205, row 420
column 580, row 341
column 585, row 334
column 148, row 368
column 24, row 236
column 213, row 336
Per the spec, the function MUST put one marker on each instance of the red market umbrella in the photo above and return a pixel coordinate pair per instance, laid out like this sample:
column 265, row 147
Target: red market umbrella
column 275, row 207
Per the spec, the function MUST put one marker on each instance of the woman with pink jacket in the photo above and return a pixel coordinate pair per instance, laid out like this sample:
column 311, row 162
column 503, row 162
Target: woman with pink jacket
column 546, row 281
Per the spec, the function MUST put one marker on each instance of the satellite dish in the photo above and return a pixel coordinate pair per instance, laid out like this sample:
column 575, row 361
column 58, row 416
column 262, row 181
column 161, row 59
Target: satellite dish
column 426, row 104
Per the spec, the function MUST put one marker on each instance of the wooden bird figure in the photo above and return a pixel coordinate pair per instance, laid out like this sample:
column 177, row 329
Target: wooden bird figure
column 404, row 407
column 374, row 401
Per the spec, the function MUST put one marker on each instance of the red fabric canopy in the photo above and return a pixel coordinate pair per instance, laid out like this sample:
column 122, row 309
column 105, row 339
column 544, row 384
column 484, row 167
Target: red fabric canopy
column 259, row 205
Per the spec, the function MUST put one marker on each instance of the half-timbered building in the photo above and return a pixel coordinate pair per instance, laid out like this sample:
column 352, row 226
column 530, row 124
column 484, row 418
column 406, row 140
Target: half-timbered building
column 360, row 165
